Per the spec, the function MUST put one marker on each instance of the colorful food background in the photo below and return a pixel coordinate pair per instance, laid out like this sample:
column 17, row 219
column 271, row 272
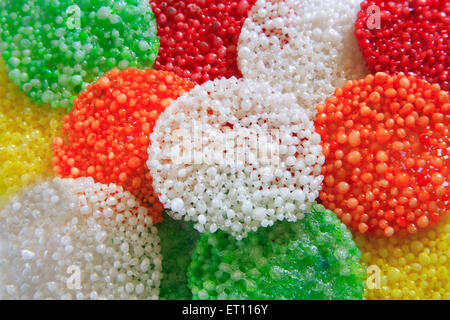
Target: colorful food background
column 346, row 197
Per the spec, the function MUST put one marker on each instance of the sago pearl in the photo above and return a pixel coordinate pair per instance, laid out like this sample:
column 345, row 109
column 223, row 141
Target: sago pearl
column 413, row 267
column 26, row 131
column 412, row 37
column 76, row 239
column 106, row 135
column 386, row 143
column 199, row 38
column 314, row 258
column 54, row 49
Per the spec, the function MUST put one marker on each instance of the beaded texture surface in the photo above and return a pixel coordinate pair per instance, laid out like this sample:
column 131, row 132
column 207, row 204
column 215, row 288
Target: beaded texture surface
column 55, row 227
column 314, row 258
column 54, row 49
column 413, row 37
column 227, row 182
column 26, row 131
column 386, row 143
column 178, row 239
column 199, row 38
column 304, row 47
column 414, row 267
column 107, row 131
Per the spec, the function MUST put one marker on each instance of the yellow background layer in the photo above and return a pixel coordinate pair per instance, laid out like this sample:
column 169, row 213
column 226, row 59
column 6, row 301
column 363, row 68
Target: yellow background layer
column 26, row 133
column 414, row 267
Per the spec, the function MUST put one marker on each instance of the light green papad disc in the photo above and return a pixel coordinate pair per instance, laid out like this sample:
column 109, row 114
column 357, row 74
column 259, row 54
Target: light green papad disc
column 314, row 258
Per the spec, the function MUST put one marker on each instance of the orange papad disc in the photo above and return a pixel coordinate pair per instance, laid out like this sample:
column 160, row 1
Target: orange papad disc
column 106, row 135
column 386, row 143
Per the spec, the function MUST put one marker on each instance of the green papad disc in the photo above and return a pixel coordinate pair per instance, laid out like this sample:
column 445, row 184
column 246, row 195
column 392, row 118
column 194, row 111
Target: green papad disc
column 314, row 258
column 178, row 239
column 54, row 48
